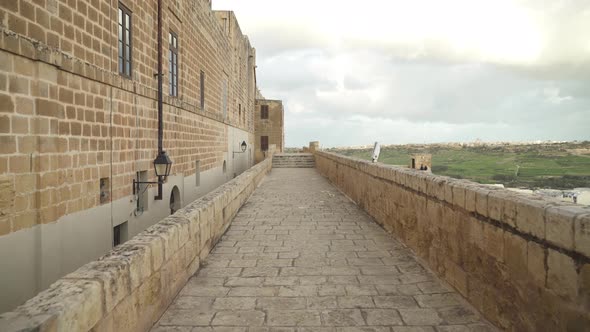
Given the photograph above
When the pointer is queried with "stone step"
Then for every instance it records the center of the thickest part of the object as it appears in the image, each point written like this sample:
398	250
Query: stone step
293	166
293	160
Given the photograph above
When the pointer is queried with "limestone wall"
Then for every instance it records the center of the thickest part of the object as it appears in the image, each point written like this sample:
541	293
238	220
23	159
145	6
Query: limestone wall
130	287
523	261
74	133
273	127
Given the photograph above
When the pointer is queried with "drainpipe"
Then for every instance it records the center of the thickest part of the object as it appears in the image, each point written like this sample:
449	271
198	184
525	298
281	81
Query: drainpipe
160	95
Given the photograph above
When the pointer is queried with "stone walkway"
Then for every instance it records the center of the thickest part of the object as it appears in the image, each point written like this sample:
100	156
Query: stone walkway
300	256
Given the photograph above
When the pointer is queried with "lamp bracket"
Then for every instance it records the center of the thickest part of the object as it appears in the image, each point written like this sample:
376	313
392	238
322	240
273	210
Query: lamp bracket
238	152
137	183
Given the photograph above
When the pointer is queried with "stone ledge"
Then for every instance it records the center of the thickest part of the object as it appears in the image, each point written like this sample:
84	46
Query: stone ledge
147	270
505	252
528	214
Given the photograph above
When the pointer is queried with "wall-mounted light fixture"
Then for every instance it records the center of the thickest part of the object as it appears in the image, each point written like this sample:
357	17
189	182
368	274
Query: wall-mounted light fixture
162	166
162	163
243	147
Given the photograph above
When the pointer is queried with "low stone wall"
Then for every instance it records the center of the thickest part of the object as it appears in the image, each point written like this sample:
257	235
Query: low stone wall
129	288
523	261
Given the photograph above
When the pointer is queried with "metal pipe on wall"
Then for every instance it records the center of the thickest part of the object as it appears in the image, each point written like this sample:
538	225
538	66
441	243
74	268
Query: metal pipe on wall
160	95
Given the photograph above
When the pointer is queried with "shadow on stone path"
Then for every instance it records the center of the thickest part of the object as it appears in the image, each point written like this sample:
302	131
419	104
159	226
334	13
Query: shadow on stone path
299	256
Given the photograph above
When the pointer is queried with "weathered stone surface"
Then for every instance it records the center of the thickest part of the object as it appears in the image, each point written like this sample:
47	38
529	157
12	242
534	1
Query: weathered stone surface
582	234
560	225
420	316
348	274
130	287
68	305
530	216
293	318
510	254
378	317
562	277
239	318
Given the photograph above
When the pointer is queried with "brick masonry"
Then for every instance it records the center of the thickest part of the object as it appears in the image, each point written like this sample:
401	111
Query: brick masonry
129	288
68	119
523	261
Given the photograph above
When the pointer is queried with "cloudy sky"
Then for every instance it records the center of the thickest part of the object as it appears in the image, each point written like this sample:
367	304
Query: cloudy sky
399	71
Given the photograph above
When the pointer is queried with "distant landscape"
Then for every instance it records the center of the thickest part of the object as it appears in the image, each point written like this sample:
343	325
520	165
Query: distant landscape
540	165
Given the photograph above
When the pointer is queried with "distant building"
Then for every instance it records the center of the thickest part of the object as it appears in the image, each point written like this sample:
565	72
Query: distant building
268	127
577	195
421	162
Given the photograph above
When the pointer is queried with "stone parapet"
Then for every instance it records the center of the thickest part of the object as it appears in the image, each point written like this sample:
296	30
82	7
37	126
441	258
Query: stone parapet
131	286
523	261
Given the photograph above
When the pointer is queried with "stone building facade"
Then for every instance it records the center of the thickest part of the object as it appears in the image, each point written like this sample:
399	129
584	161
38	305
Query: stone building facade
269	124
78	123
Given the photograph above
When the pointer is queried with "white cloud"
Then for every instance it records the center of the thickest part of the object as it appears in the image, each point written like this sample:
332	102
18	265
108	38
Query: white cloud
398	71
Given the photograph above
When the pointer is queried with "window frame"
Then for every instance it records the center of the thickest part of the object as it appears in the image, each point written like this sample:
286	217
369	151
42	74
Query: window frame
173	63
264	112
263	143
124	12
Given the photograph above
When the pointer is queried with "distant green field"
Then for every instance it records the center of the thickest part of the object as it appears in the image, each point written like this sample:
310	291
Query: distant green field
558	166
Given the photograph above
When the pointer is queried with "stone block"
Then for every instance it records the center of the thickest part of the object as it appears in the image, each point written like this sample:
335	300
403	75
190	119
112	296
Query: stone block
458	189
126	315
24	220
493	238
559	225
139	258
68	305
470	200
481	201
183	225
169	235
496	201
6	104
530	216
436	187
113	275
6	195
449	190
515	257
582	234
24	105
4	125
536	263
49	108
420	182
562	277
509	209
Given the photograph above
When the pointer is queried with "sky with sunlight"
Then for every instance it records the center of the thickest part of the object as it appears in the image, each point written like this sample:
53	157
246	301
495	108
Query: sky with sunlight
421	71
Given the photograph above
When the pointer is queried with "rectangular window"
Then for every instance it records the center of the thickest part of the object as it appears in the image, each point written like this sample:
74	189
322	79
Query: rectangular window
264	143
264	112
173	64
202	91
124	41
120	234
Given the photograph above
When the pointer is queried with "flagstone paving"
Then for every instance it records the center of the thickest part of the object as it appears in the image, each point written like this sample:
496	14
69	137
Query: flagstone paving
299	256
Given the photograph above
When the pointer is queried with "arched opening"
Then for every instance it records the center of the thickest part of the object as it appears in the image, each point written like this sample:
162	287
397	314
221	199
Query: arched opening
174	200
224	167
